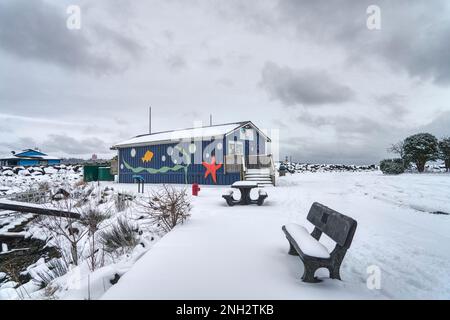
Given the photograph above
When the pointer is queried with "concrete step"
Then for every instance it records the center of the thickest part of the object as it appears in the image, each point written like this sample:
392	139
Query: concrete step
257	176
261	182
258	171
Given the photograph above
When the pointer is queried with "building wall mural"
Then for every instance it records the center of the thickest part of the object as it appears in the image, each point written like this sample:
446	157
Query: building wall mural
187	162
148	156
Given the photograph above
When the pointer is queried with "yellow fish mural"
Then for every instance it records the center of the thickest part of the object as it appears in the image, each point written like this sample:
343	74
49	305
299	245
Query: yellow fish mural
148	156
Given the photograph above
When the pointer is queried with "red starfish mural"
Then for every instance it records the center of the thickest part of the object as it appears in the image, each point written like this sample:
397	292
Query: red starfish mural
211	168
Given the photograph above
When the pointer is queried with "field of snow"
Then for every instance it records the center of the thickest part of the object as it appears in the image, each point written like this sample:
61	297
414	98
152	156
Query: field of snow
241	253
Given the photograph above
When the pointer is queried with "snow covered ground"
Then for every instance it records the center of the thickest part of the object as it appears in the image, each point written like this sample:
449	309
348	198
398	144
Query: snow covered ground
241	253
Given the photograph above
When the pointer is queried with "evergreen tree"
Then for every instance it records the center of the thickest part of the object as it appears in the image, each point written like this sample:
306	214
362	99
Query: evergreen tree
420	148
444	152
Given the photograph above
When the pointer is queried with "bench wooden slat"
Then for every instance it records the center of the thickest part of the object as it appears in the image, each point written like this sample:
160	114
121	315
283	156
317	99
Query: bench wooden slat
337	226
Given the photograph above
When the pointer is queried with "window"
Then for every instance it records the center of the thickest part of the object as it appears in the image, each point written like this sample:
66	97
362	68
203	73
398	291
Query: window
247	134
235	147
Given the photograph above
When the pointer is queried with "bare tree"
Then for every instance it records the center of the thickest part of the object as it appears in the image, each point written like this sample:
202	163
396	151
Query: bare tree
398	148
65	227
167	207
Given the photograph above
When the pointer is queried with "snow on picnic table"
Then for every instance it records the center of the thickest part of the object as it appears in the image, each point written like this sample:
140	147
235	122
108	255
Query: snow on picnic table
239	184
241	253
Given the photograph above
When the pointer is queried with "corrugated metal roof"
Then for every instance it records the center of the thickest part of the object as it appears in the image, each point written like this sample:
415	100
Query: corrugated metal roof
176	135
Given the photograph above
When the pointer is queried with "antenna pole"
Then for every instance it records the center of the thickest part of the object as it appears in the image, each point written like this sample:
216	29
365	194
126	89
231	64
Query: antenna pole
150	120
210	120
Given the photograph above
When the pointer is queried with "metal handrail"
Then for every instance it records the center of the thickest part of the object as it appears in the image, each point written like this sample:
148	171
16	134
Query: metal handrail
243	168
272	169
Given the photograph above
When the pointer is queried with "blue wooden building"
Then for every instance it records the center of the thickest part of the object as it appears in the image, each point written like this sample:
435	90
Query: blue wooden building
28	157
216	154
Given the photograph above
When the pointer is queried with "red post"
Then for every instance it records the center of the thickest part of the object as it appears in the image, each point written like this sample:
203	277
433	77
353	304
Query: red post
195	189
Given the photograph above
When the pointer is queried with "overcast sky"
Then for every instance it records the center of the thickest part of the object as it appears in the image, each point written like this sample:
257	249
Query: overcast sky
337	91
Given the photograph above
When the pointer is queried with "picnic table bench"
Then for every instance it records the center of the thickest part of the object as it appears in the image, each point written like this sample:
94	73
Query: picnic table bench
314	254
244	187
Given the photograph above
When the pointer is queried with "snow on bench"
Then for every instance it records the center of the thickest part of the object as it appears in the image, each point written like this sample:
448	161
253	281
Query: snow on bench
306	242
238	184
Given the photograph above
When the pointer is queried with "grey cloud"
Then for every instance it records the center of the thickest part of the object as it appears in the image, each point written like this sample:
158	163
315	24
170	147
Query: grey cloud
176	62
225	82
343	125
312	151
439	126
20	144
214	62
169	35
257	18
72	146
119	40
121	122
36	30
413	37
359	140
306	87
393	104
59	144
355	139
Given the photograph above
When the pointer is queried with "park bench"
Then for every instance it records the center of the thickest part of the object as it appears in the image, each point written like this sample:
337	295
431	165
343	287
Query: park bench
314	254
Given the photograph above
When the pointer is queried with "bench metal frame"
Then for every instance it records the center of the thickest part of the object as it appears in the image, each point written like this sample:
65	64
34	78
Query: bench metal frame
338	227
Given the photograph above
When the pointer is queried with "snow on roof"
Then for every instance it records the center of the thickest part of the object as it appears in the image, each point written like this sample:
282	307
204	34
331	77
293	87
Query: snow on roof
176	135
48	158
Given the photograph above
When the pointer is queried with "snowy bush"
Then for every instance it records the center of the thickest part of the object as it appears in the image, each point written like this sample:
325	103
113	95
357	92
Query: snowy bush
50	170
167	207
122	201
43	186
24	172
392	166
55	268
122	237
8	173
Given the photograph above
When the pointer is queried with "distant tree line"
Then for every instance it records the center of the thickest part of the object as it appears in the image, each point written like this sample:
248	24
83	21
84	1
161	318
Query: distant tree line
417	149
